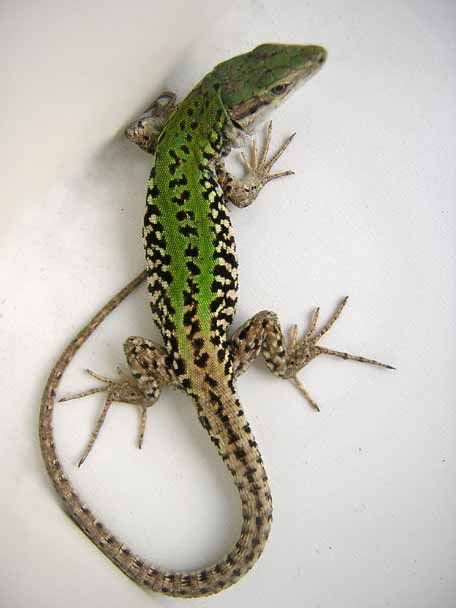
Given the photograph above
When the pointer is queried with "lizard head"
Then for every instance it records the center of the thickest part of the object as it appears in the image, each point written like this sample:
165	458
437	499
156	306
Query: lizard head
253	84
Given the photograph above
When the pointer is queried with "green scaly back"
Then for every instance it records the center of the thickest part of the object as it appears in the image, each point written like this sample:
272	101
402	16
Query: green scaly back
190	248
189	243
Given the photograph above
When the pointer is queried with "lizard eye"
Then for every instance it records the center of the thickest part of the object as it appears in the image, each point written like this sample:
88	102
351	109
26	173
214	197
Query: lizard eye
279	89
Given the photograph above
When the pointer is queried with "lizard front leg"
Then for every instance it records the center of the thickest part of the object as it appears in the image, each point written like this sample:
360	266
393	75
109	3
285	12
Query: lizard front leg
149	373
145	130
243	192
263	334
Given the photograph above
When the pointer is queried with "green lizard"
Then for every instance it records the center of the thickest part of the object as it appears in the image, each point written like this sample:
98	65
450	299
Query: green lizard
192	282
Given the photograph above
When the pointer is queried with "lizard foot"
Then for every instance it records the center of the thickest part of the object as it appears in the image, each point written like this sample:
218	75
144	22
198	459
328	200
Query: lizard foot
301	352
257	167
124	390
242	192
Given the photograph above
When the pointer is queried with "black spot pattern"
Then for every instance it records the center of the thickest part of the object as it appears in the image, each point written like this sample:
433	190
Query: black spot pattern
212	387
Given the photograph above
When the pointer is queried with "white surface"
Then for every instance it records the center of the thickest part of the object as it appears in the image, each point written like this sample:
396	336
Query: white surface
364	492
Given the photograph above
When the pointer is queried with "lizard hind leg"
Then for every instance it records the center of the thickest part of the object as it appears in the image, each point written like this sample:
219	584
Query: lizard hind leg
146	361
285	358
303	351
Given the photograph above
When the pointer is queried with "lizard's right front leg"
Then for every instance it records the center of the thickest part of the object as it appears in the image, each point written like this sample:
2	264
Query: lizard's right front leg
242	192
149	373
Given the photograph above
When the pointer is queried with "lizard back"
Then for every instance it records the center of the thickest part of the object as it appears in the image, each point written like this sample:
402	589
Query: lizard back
189	241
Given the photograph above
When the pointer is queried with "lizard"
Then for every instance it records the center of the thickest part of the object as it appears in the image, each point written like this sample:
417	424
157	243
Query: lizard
192	279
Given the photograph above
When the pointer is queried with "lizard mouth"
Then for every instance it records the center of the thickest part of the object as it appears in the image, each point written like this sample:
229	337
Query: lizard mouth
251	107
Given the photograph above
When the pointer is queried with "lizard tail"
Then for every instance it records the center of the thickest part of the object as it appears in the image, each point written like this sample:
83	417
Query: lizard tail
228	430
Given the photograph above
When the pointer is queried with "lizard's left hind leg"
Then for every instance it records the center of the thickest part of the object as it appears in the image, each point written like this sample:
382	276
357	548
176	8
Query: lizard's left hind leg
150	373
263	334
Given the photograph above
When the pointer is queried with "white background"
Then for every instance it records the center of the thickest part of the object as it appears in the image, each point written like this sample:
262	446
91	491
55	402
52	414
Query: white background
364	492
